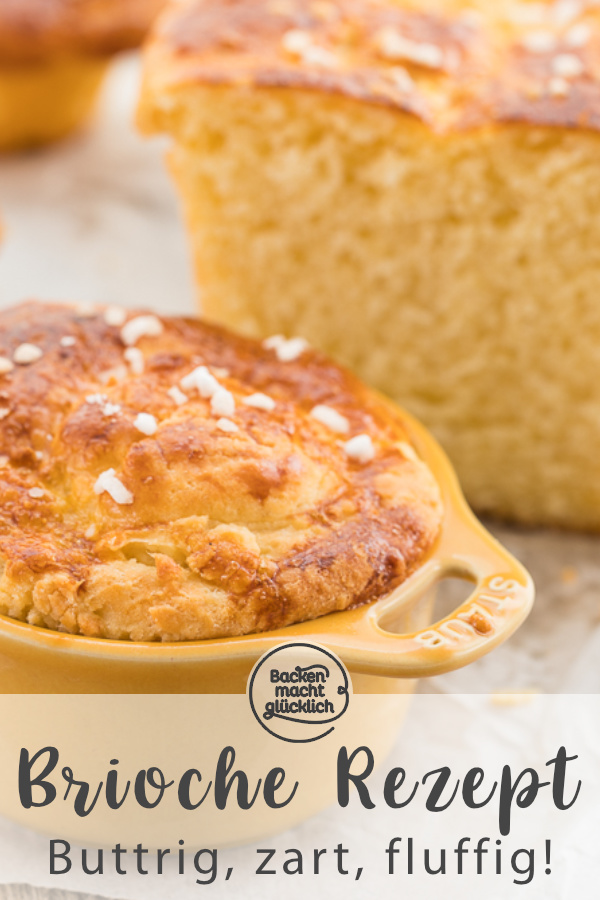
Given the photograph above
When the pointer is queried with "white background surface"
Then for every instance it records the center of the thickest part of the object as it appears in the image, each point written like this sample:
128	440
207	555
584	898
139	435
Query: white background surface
96	219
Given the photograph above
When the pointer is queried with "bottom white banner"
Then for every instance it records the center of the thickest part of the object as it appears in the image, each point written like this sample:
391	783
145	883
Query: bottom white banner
133	796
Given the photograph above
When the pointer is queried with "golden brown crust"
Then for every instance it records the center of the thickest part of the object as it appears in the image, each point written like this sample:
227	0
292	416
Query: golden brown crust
452	64
33	30
210	532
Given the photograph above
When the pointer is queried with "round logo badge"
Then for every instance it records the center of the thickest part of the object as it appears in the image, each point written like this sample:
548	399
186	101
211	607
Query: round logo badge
298	691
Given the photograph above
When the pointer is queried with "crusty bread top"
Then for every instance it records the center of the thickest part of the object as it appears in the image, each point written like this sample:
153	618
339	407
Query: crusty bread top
212	514
38	29
454	65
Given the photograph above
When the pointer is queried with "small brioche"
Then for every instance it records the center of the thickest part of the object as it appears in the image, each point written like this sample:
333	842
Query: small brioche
162	479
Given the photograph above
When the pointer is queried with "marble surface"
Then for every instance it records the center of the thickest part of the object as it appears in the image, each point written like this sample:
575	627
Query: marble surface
96	219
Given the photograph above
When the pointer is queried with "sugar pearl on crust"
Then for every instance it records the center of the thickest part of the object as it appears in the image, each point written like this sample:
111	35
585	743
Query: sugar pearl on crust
300	44
567	65
286	350
578	35
558	87
135	358
108	408
139	327
291	350
360	448
331	418
227	425
319	56
394	46
146	423
115	315
260	401
222	403
35	493
67	341
5	365
296	41
177	396
565	11
540	42
201	380
26	354
108	483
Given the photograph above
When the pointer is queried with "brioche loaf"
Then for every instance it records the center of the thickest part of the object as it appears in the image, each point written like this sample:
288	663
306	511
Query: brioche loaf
53	56
415	188
161	479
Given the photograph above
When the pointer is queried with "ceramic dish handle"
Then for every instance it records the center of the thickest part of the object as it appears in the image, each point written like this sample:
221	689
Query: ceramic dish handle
501	599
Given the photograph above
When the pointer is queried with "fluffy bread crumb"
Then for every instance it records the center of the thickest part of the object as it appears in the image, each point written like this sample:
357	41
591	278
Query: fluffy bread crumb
435	230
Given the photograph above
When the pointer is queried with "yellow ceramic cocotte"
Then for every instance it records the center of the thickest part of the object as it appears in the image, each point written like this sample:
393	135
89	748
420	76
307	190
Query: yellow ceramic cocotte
385	646
388	639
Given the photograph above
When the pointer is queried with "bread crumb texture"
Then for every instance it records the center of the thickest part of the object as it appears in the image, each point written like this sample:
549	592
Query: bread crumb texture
418	199
128	511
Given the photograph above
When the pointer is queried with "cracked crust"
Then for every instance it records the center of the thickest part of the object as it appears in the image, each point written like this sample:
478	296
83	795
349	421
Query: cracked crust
226	533
452	64
35	30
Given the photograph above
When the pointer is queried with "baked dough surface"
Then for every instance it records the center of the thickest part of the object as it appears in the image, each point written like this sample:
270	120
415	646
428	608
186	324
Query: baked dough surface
185	523
35	30
452	64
